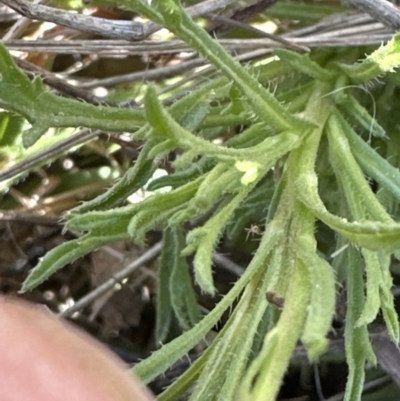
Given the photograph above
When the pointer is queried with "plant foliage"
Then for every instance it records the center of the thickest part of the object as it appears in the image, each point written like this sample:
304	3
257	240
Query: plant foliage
316	136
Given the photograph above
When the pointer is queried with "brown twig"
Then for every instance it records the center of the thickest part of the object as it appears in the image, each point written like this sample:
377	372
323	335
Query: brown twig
59	84
150	254
129	30
240	14
259	32
126	30
80	137
381	10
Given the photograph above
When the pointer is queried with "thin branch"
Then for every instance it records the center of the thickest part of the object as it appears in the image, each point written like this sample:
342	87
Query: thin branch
127	30
237	24
381	10
146	75
20	26
228	264
7	15
240	14
344	37
29	218
59	84
371	385
55	150
150	254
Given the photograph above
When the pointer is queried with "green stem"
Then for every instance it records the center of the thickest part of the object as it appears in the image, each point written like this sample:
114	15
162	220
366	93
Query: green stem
270	366
263	103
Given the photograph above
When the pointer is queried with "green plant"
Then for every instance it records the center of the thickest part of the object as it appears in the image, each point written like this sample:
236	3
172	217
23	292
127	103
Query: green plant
304	132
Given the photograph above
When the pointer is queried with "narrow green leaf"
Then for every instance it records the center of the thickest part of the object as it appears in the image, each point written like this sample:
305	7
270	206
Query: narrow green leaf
261	100
371	162
304	64
163	123
64	254
183	297
162	149
374	280
221	180
204	239
214	373
32	135
237	106
160	360
355	110
186	379
192	120
387	298
10	128
30	99
151	219
163	304
384	59
373	235
11	73
156	210
264	376
166	127
250	137
97	220
357	343
244	338
134	178
350	174
322	302
182	177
